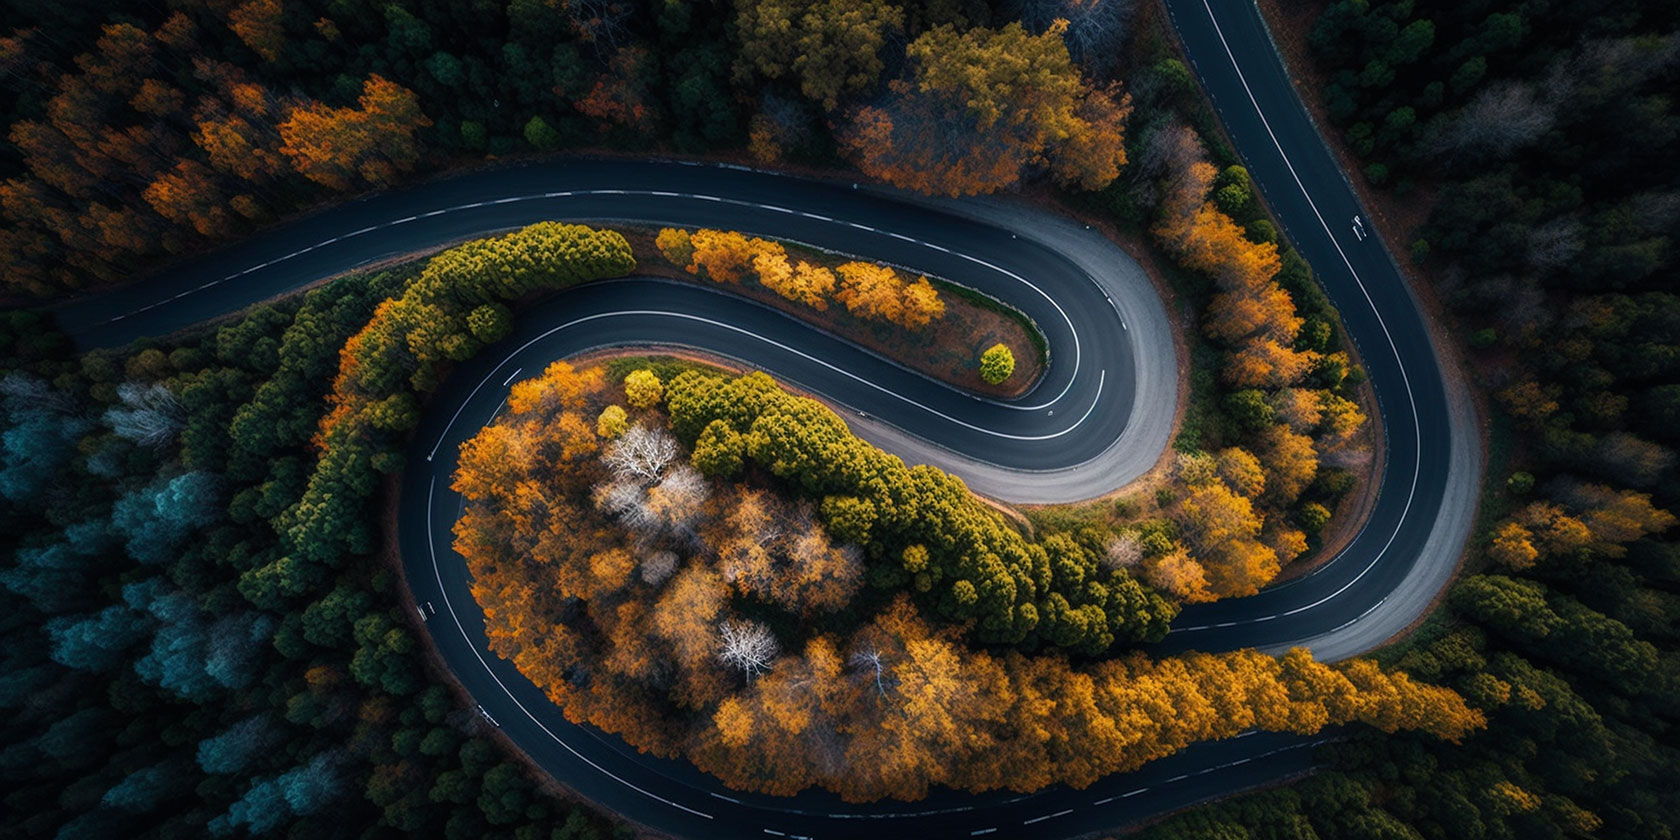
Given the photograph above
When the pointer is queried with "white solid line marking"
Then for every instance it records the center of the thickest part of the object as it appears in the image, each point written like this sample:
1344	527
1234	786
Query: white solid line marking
511	376
1096	399
1405	377
979	831
438	575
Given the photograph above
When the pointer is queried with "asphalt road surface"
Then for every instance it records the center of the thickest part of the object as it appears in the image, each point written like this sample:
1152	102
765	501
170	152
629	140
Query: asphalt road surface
1100	417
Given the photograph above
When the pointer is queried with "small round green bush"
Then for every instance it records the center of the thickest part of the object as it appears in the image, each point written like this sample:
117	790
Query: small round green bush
997	364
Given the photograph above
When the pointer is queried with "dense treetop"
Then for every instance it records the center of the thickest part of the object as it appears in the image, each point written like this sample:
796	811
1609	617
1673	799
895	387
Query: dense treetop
709	618
1539	137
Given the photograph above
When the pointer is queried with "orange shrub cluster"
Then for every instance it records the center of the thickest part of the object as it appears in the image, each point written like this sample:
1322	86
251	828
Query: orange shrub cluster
1230	515
1598	522
1251	312
656	604
874	292
148	145
984	106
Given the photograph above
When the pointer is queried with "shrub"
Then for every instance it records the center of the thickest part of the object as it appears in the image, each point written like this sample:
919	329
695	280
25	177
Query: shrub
643	389
1314	517
612	423
997	364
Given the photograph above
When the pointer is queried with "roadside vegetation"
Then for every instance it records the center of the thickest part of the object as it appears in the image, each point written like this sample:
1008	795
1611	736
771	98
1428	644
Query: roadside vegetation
1275	441
643	561
203	634
1533	148
935	327
193	648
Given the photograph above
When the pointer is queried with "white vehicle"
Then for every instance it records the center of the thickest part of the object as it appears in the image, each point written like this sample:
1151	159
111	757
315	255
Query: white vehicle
1359	228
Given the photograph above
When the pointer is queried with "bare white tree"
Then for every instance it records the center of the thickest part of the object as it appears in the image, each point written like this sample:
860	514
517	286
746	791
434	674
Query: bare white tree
1170	149
1122	552
1656	211
658	567
616	497
24	389
603	24
1502	117
747	645
1636	461
1554	244
872	666
1608	68
680	496
150	414
641	453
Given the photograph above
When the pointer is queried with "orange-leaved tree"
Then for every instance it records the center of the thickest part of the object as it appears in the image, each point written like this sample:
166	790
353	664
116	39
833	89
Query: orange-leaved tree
981	107
648	624
346	148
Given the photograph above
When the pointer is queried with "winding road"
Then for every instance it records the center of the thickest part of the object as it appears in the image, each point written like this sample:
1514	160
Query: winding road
1101	416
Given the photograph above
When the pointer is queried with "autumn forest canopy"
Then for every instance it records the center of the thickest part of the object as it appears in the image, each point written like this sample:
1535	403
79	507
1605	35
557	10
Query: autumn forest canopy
207	627
640	556
151	134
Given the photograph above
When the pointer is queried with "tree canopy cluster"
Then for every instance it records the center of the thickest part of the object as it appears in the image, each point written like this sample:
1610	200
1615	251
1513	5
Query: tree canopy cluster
1553	234
919	526
868	290
144	694
142	134
721	621
449	311
982	107
1538	134
1288	393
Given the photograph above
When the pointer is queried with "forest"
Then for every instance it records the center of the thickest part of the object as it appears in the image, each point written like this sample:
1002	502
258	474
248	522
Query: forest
201	628
1537	138
141	134
193	541
189	649
698	594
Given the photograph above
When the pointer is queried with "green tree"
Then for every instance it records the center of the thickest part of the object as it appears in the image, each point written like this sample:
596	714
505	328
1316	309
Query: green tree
832	47
718	451
490	323
997	364
643	389
541	135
